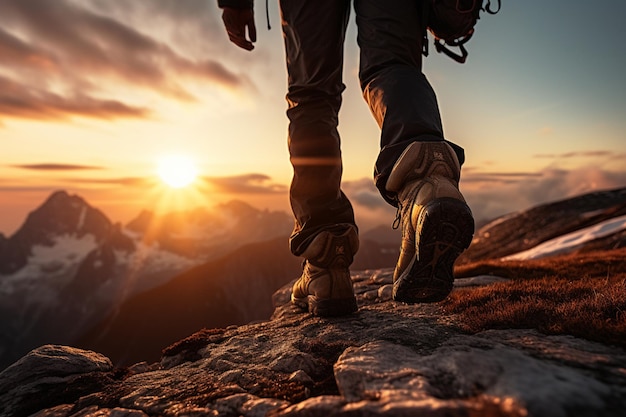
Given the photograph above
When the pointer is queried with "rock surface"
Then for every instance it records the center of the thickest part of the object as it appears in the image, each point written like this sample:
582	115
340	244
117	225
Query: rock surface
50	374
389	359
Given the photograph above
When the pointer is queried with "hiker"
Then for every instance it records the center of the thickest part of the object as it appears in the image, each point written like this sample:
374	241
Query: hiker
417	170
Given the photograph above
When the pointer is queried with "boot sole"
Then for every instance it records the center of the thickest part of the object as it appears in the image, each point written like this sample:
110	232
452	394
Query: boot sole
326	307
445	229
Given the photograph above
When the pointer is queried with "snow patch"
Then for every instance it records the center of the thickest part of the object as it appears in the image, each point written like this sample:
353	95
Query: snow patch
148	266
49	265
81	218
571	240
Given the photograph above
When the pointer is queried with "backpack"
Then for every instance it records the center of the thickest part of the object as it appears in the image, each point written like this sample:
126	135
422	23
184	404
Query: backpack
451	22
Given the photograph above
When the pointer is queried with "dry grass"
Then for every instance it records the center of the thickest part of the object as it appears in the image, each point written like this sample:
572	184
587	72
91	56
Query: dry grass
584	296
189	346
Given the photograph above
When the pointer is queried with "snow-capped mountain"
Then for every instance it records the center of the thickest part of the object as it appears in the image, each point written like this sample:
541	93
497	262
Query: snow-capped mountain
61	215
68	266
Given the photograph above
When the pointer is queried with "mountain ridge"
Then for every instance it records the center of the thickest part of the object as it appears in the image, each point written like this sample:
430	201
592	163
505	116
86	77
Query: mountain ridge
88	295
80	268
520	231
68	265
60	214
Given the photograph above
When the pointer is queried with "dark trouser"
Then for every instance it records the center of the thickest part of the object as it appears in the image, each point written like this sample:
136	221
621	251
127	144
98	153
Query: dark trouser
399	96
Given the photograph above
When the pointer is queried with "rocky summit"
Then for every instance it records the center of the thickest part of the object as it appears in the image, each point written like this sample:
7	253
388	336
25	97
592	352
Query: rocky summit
389	359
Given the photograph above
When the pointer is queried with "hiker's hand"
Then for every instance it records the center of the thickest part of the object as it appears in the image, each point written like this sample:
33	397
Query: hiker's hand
236	22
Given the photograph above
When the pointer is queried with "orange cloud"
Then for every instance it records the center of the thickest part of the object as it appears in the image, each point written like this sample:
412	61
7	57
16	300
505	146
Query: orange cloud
58	57
56	167
579	154
239	184
246	184
18	53
20	100
125	181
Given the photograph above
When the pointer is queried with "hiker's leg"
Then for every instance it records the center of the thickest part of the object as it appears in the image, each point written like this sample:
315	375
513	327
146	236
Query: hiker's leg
417	170
314	34
399	95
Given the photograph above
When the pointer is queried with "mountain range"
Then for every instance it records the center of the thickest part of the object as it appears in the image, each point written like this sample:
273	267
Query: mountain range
68	265
69	275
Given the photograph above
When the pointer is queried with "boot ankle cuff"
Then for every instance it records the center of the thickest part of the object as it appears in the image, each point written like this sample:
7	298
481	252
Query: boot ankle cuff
418	160
328	248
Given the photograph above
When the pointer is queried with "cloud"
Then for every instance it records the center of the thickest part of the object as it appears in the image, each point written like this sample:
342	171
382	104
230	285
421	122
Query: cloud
470	177
88	183
46	189
364	193
493	195
123	181
246	184
18	53
56	167
239	184
61	59
580	154
23	101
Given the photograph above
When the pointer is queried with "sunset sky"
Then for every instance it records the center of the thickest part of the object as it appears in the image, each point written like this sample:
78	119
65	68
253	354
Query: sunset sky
93	93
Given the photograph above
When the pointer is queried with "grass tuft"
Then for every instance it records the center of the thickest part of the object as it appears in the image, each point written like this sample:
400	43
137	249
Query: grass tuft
583	296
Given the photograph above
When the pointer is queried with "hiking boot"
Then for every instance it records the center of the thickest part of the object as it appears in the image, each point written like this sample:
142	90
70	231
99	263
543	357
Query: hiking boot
325	287
437	224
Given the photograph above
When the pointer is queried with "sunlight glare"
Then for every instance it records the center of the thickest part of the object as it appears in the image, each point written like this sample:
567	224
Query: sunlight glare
177	171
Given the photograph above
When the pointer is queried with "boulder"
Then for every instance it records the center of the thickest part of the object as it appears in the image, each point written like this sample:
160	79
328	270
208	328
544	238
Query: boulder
50	375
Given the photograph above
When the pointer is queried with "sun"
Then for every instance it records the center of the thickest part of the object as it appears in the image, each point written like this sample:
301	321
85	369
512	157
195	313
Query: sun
177	171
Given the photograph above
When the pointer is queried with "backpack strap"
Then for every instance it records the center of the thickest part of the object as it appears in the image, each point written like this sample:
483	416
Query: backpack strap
442	46
489	10
425	15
